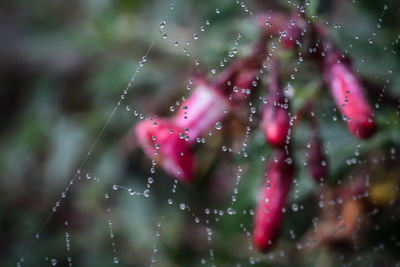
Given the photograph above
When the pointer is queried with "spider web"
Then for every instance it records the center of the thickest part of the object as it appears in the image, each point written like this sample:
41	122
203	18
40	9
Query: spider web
151	219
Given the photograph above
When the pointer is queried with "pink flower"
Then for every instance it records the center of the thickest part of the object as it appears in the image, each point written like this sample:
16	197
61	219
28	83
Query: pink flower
276	120
161	140
269	214
171	140
205	107
347	91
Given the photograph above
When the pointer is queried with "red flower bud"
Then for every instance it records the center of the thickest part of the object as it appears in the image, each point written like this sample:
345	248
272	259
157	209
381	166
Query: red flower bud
269	214
276	124
348	94
240	79
276	120
293	33
171	140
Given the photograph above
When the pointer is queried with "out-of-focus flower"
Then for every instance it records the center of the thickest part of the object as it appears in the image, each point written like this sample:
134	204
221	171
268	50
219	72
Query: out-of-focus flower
241	78
294	31
162	140
288	29
205	107
171	140
276	120
347	91
269	213
272	23
317	161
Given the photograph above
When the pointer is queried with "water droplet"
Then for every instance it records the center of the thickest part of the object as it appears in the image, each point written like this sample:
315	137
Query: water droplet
295	207
162	24
146	193
230	211
131	191
218	125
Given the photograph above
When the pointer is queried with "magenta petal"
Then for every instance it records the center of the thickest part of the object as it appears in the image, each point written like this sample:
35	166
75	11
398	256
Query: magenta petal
173	152
204	108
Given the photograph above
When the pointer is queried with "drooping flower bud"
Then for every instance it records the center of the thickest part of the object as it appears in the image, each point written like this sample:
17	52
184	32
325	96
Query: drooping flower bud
317	161
276	120
269	212
162	140
171	140
204	108
272	23
240	79
293	33
288	29
347	91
